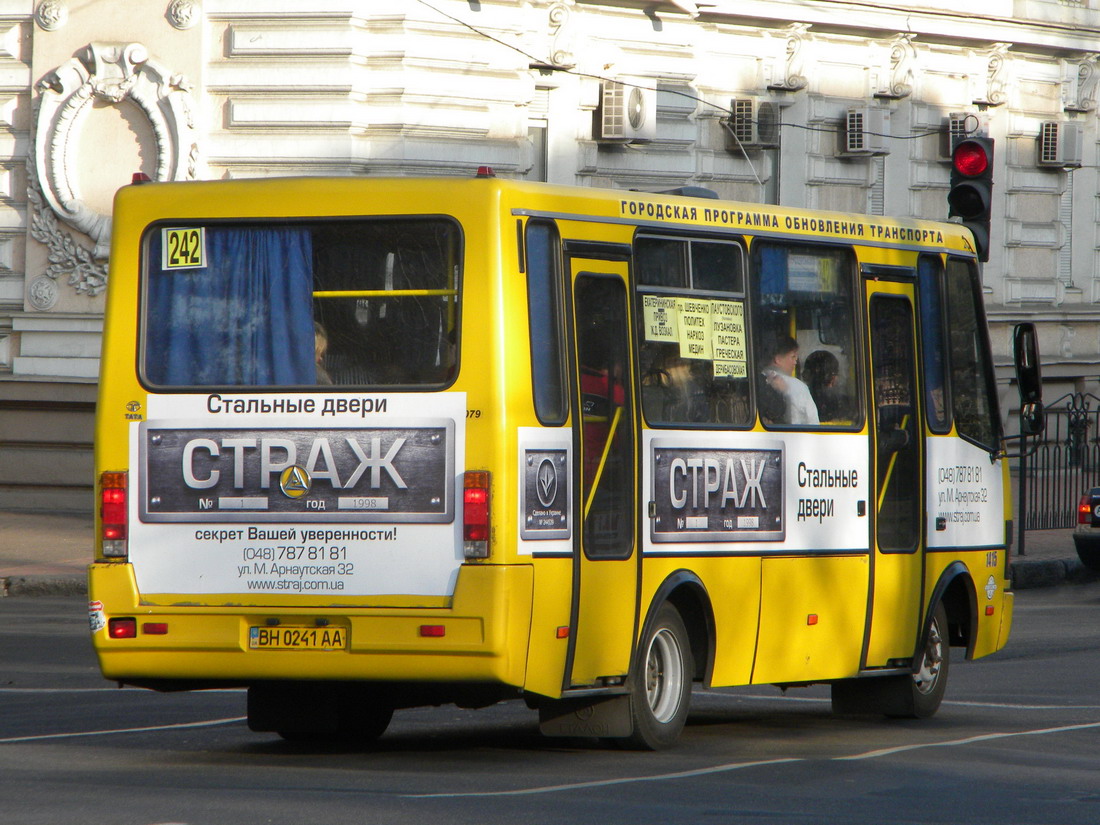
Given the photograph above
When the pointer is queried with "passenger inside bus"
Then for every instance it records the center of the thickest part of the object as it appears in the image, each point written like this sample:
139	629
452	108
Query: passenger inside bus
320	352
672	389
821	372
798	406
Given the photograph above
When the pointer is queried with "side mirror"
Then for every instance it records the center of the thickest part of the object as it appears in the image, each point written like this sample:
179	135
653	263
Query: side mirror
1029	379
1025	354
1032	418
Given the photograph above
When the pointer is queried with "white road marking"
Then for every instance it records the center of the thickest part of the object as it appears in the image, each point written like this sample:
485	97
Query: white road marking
107	690
969	740
734	766
602	783
181	726
946	702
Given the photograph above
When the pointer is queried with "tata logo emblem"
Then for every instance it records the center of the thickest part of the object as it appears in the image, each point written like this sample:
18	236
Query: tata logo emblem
133	406
546	483
295	481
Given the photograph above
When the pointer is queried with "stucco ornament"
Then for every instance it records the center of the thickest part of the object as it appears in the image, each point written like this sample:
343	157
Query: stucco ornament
562	31
1079	95
903	58
794	69
107	74
183	14
51	15
42	294
996	76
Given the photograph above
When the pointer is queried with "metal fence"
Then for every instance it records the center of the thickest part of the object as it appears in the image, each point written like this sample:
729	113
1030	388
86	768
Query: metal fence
1063	464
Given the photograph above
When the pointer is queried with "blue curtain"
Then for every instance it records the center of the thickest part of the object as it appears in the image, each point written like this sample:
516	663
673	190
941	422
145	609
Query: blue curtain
246	319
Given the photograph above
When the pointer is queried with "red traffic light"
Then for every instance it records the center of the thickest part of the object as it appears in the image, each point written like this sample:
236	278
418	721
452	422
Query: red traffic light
970	158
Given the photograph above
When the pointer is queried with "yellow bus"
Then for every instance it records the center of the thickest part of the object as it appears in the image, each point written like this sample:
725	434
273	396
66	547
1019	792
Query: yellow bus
368	444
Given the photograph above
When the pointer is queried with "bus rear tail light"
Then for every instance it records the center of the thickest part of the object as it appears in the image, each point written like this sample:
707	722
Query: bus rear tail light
113	514
122	628
1084	510
475	515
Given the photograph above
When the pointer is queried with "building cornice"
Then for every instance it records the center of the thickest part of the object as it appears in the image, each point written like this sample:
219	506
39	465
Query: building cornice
959	28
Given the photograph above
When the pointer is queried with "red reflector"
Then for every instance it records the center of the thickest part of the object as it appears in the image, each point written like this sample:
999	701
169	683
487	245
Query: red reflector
435	630
811	619
486	172
124	628
970	159
140	177
563	632
155	628
989	610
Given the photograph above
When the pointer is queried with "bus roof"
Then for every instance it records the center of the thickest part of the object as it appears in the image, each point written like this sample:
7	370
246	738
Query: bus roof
316	197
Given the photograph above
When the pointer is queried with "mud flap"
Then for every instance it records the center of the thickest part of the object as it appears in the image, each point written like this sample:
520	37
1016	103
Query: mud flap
605	717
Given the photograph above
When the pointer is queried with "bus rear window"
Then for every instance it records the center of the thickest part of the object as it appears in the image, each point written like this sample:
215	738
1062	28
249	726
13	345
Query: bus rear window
341	302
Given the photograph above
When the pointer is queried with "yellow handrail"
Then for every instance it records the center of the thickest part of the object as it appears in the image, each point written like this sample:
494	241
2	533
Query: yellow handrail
603	459
890	467
382	293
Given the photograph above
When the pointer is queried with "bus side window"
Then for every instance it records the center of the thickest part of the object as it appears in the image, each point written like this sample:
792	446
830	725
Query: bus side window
933	355
544	315
693	358
803	332
973	391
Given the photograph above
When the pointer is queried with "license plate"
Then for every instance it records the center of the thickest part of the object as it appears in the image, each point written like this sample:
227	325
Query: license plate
297	638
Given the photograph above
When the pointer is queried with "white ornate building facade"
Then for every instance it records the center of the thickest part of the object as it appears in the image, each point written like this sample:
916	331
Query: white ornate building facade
95	90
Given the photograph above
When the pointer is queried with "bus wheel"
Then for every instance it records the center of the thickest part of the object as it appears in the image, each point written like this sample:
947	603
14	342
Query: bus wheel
661	686
929	682
915	696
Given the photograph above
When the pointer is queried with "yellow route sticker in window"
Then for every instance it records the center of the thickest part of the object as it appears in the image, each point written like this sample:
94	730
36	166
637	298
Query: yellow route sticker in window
695	327
183	248
659	318
728	344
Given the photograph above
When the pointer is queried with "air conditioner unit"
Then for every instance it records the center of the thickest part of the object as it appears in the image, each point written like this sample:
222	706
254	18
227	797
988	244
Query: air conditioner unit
961	125
752	124
627	113
863	132
1060	144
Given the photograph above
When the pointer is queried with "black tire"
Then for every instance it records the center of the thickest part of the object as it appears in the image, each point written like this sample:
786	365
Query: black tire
1088	551
916	696
660	687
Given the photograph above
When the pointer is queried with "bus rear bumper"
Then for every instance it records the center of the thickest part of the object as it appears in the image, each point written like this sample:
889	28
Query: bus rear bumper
480	636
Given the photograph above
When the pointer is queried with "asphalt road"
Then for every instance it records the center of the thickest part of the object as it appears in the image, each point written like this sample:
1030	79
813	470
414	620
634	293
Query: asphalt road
1017	741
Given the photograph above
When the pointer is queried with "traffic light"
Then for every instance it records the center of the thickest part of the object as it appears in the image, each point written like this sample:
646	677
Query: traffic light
971	193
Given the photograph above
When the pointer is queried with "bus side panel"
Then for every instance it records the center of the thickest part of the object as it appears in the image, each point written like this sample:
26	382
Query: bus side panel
812	620
967	507
546	652
732	586
994	602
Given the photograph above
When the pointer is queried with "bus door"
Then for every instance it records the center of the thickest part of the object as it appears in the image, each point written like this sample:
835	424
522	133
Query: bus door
605	570
898	562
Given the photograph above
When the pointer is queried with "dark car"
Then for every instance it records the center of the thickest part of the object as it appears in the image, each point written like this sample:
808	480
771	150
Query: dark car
1086	536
